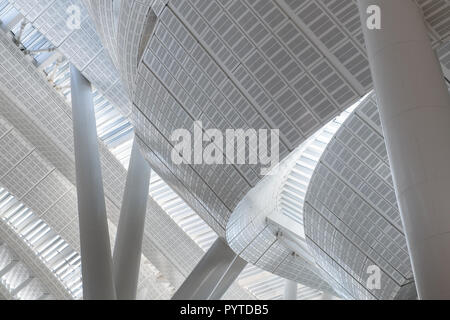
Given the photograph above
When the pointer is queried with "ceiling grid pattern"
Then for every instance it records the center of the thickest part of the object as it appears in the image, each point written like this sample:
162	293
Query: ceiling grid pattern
351	215
17	115
247	73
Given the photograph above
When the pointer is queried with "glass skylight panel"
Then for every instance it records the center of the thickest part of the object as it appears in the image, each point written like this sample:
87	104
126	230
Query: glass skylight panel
47	245
8	12
16	278
3	5
37	234
35	223
33	40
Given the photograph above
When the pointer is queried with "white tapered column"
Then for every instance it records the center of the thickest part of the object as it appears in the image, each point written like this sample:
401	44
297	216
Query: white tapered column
213	275
128	247
290	290
414	107
96	261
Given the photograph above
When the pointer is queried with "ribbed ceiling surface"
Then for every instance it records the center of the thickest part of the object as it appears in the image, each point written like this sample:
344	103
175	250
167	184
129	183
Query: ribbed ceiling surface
286	64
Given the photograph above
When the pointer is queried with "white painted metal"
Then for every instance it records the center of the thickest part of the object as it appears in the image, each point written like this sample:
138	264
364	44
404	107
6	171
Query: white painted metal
130	231
94	236
290	290
213	275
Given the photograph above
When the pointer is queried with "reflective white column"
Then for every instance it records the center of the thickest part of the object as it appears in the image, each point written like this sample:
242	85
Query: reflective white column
414	107
213	275
290	290
130	231
96	261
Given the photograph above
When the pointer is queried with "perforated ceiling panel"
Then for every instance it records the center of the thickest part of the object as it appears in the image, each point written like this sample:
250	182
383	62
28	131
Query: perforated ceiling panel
351	216
81	45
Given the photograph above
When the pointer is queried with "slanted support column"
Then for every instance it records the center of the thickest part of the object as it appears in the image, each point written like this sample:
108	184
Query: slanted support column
290	290
96	261
213	275
414	107
128	247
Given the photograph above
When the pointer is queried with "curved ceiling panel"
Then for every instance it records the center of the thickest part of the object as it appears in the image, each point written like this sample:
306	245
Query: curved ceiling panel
283	64
292	65
260	64
270	217
351	218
